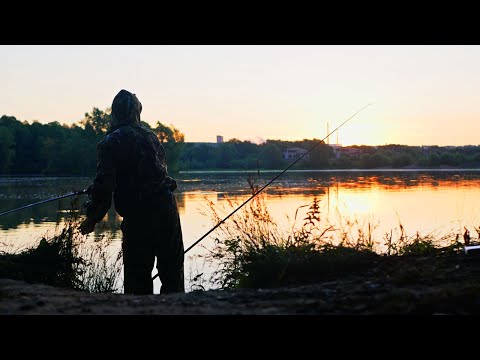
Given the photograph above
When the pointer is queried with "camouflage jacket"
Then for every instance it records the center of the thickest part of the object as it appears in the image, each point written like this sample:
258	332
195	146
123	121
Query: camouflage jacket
130	163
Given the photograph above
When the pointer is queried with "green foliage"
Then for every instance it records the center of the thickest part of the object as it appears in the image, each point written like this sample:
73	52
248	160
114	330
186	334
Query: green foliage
66	260
375	160
97	121
401	160
55	149
173	141
257	252
224	156
52	262
7	149
319	157
46	148
270	156
146	125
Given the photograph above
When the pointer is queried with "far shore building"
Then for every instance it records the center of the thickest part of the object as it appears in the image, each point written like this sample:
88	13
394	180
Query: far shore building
213	144
351	151
337	149
293	153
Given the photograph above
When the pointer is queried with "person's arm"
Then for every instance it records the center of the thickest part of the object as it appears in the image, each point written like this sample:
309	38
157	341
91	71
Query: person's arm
100	192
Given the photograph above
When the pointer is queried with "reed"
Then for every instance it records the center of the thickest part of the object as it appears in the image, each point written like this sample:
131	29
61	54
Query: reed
66	259
253	250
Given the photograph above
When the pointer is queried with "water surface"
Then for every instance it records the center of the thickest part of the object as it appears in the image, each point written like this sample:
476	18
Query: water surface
426	201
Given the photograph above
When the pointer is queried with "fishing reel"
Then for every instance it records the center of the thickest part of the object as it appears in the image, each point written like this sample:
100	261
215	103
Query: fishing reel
89	192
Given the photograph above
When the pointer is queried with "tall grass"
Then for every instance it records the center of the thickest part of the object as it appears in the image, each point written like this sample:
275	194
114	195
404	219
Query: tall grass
253	250
67	259
100	270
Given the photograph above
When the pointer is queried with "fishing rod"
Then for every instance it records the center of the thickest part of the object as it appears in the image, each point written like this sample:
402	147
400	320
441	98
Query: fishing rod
226	218
271	181
44	201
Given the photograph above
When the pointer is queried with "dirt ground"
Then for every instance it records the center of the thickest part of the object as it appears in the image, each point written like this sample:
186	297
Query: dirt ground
416	285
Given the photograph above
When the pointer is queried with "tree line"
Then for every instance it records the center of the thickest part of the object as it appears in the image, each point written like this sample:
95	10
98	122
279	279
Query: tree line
56	149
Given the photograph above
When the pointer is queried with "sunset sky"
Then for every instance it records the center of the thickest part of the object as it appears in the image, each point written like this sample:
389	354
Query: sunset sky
421	95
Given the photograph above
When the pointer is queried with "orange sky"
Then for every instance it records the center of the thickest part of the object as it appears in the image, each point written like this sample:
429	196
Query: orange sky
422	95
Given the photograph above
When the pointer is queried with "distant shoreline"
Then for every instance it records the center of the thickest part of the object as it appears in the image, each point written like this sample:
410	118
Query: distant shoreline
186	172
328	170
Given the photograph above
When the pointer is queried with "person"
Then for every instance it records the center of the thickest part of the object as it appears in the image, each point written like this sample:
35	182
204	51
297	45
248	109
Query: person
131	163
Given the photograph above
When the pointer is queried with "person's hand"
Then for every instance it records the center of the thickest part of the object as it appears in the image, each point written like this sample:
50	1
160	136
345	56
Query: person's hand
86	227
89	190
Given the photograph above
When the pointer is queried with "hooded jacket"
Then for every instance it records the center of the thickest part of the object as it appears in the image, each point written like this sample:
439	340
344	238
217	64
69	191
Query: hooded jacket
131	163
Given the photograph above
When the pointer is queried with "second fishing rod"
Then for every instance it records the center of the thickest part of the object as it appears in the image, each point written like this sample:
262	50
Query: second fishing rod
270	182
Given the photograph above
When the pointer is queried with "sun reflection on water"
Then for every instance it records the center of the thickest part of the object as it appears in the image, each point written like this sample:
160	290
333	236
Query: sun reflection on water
425	201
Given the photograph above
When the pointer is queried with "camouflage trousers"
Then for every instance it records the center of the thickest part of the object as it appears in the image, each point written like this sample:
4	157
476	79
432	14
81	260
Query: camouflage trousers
151	234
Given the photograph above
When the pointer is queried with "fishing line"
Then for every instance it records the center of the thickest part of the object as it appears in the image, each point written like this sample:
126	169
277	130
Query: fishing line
44	201
271	181
226	218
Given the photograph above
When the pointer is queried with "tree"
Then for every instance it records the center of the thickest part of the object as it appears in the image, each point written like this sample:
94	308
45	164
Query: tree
172	140
271	156
371	161
98	121
7	149
401	160
244	148
146	125
434	159
225	154
319	156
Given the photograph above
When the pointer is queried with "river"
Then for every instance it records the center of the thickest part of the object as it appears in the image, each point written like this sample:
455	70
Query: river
433	202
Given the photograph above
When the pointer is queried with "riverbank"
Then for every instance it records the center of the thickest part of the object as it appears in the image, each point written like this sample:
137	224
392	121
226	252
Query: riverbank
89	177
410	168
426	285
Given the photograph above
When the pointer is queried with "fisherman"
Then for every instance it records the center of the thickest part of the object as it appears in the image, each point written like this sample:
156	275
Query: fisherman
131	163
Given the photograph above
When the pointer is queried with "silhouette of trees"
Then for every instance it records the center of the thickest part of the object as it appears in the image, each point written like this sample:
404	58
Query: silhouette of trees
270	156
97	121
172	140
56	149
7	149
60	149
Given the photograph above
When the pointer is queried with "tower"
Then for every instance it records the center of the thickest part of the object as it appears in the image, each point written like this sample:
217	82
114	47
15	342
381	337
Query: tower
328	132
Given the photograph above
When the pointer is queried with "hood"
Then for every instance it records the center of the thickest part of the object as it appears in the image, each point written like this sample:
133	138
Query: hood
126	109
